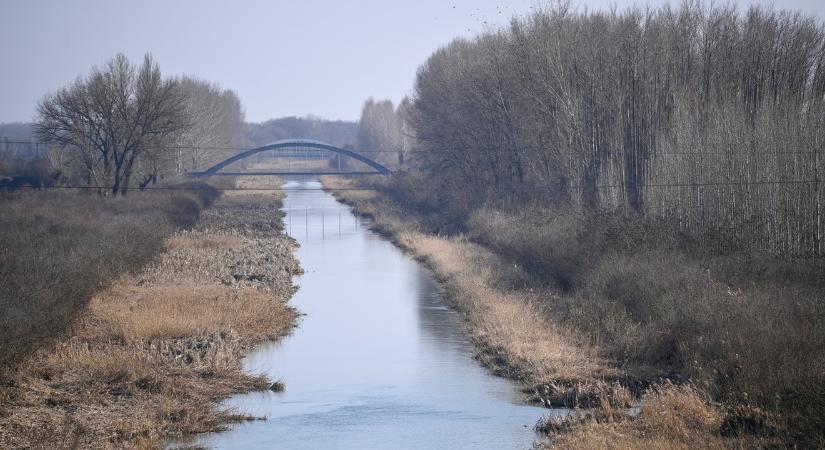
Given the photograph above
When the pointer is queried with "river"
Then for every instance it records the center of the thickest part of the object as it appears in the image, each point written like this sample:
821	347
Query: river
378	361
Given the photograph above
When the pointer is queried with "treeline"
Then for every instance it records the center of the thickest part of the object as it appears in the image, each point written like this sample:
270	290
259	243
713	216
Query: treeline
214	128
383	131
125	126
335	132
700	116
16	141
22	160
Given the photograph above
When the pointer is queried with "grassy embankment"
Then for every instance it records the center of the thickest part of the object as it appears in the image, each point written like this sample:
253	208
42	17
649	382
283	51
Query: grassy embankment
719	350
125	319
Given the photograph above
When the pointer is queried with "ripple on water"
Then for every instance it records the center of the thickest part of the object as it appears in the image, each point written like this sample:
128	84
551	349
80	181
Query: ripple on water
378	360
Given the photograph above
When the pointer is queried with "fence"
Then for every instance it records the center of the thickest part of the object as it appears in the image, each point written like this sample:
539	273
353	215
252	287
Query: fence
770	202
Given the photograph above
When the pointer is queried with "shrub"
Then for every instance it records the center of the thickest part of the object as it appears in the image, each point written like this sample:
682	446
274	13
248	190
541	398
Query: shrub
58	248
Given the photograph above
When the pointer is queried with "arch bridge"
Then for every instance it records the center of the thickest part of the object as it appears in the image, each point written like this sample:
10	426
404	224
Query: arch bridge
286	146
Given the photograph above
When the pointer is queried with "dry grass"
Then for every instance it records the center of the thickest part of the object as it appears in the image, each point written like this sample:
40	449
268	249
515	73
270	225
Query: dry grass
203	242
291	164
151	353
58	248
512	331
98	394
573	304
742	327
132	312
670	417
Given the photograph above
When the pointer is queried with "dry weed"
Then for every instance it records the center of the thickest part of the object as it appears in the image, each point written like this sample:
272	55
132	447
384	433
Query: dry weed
669	417
573	303
151	353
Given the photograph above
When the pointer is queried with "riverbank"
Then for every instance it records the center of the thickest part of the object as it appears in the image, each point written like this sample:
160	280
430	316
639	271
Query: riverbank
150	354
506	324
554	341
391	353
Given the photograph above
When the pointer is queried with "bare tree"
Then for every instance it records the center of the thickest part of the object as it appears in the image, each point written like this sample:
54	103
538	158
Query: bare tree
406	134
110	118
700	115
379	130
215	125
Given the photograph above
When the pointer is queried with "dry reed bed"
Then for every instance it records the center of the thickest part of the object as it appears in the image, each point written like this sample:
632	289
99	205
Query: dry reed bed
58	248
150	355
516	336
510	329
673	417
512	332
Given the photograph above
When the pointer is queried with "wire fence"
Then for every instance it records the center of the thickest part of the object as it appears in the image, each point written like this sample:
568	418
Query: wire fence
190	188
773	204
5	145
772	201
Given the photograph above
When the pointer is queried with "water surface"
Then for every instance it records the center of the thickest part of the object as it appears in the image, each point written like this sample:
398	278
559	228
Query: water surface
378	361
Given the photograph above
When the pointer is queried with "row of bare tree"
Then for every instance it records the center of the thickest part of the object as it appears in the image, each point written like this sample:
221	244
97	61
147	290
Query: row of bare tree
124	126
704	116
336	132
383	131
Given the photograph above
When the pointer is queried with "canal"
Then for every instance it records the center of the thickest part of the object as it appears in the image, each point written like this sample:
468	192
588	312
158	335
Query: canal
378	360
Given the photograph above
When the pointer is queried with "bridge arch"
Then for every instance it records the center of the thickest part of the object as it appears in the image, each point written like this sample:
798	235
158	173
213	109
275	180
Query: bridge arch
296	143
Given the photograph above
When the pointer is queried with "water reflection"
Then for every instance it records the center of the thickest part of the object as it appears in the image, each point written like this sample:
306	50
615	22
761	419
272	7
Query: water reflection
378	361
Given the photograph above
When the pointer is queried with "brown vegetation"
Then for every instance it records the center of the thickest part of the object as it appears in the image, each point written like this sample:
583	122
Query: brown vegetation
58	248
150	354
743	327
572	304
507	322
295	164
633	197
673	417
707	117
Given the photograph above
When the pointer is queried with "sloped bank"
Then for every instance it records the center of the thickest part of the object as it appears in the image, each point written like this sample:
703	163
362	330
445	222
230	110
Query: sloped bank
513	335
516	336
152	354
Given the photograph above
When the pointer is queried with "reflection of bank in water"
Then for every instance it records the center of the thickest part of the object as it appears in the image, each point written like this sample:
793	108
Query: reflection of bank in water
378	361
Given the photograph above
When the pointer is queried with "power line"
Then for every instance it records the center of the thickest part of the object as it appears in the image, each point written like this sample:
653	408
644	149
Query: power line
194	188
195	147
412	152
282	189
704	184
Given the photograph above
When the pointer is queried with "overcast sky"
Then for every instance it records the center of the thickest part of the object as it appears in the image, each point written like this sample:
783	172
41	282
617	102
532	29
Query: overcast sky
283	58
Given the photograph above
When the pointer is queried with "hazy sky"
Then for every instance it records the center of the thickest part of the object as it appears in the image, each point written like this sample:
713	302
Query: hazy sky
283	58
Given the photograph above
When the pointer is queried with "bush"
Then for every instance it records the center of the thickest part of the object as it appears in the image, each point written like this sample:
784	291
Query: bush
745	327
16	173
59	248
